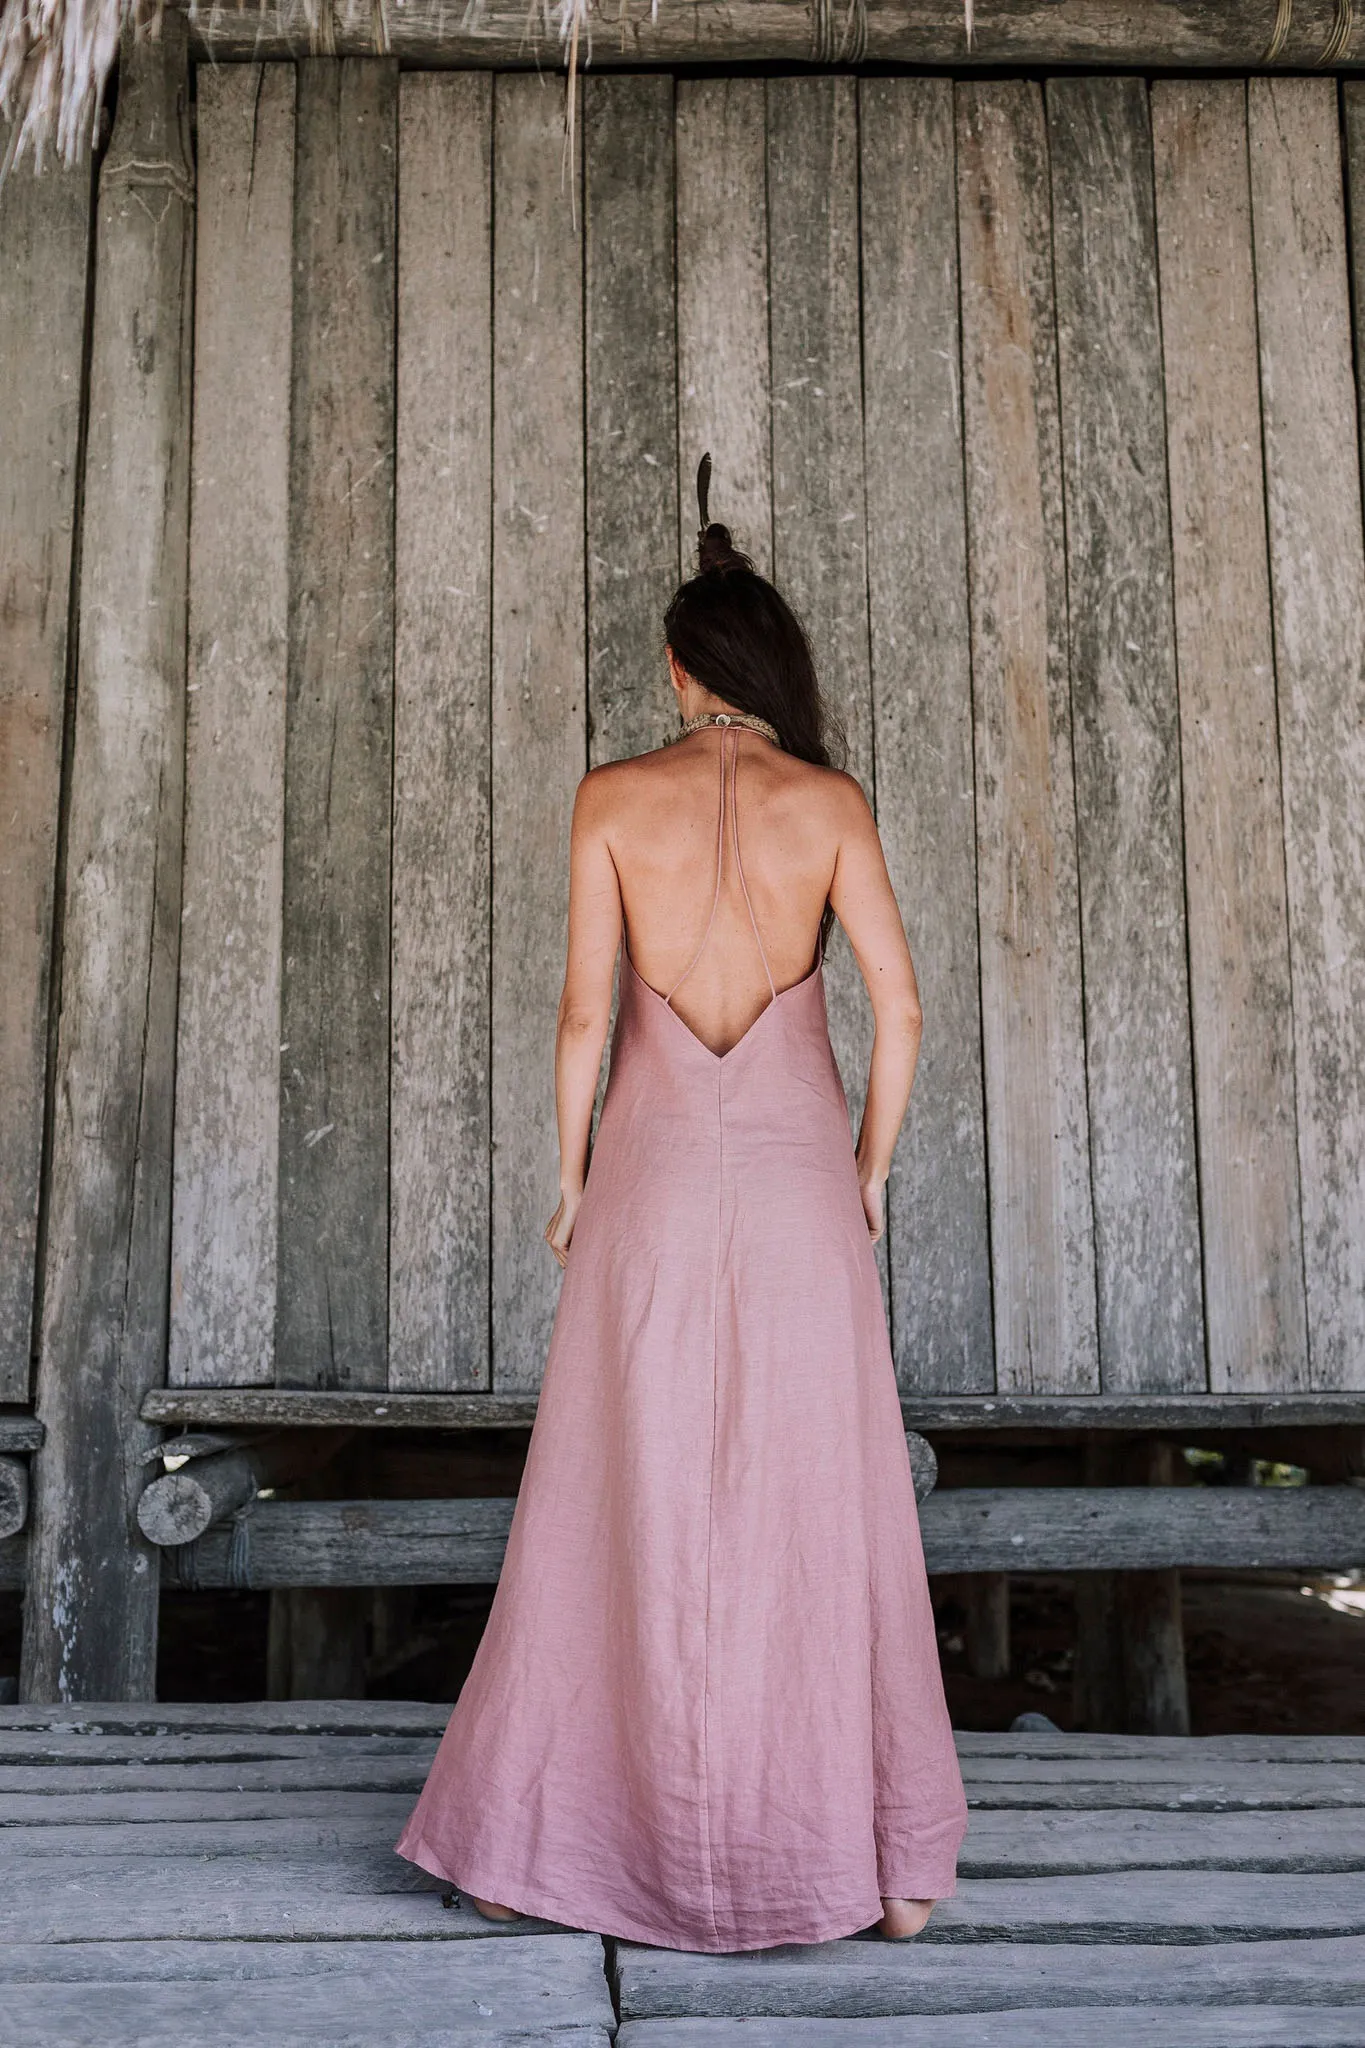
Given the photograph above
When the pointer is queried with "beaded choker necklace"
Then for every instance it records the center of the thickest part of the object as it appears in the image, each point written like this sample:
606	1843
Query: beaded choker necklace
691	725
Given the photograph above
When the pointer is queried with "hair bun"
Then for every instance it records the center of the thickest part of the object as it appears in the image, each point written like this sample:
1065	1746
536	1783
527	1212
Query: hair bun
716	550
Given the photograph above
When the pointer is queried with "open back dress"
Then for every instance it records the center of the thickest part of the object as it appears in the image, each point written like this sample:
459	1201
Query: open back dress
706	1711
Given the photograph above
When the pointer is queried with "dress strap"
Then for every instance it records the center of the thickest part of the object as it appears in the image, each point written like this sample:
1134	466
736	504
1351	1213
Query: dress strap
725	734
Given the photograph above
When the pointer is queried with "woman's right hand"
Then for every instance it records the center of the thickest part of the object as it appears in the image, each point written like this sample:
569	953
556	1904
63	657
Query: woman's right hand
559	1229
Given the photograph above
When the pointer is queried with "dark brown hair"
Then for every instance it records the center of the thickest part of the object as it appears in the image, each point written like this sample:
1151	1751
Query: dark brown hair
737	636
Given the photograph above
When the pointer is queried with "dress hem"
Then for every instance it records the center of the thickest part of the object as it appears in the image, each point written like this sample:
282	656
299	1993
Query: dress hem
541	1906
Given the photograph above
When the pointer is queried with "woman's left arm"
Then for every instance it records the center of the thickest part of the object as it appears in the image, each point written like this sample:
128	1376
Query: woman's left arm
585	1005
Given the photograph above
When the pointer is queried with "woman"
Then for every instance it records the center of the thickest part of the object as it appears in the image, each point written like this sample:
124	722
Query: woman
706	1711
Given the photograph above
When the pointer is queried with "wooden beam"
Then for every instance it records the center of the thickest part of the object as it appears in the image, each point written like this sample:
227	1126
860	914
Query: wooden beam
227	1070
290	1408
1042	1235
90	1621
45	226
968	1529
539	721
938	1237
20	1433
13	1495
1160	34
1234	829
1126	739
439	1156
331	1323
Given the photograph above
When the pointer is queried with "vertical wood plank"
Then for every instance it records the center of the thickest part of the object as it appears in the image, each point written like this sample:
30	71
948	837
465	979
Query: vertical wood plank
723	378
939	1243
1041	1226
1308	405
819	514
632	409
224	1219
1234	858
331	1326
45	228
439	1158
91	1602
539	689
1140	1083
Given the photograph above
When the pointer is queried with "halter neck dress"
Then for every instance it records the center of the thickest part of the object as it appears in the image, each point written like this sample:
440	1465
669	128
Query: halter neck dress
706	1711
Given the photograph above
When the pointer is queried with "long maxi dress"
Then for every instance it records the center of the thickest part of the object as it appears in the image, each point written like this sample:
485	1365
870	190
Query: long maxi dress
707	1711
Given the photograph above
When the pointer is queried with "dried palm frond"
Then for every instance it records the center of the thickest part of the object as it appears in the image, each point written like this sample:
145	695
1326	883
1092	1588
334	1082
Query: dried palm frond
55	57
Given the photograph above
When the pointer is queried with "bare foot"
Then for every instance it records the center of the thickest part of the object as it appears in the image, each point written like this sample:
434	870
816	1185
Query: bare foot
904	1917
491	1911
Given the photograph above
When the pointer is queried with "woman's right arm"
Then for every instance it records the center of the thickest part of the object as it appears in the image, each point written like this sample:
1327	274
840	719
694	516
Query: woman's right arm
865	904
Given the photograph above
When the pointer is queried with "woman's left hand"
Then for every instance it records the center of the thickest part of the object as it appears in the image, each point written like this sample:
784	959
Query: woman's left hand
559	1229
873	1193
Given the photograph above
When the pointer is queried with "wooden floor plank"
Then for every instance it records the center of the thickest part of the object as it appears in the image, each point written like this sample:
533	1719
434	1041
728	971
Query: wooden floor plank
284	1717
851	1979
355	1893
998	1844
1231	2027
549	1989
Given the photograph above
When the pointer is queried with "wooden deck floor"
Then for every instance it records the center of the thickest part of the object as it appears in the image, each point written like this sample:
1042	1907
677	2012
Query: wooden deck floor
214	1875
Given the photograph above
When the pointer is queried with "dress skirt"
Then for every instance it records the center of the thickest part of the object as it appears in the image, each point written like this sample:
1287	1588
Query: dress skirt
707	1711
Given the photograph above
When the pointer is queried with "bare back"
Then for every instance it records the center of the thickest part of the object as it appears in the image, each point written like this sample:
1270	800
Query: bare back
717	936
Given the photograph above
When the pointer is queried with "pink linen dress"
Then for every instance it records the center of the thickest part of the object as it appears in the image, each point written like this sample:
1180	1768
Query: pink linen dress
706	1711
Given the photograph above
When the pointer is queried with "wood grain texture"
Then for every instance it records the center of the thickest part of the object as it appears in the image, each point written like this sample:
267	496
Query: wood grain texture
1037	1145
856	1979
1317	569
1221	34
723	358
631	366
45	226
1229	2027
938	1236
1234	857
965	1529
90	1624
1139	1078
819	513
331	1326
224	1221
539	690
255	1407
439	1187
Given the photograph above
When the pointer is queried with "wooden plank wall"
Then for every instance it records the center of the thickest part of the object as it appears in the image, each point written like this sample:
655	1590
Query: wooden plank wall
1039	400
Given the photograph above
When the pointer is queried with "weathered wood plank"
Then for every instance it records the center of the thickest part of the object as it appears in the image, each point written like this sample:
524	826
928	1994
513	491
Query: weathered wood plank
1234	860
723	357
549	1988
1238	2026
90	1623
819	511
631	368
331	1326
998	1844
259	1717
938	1242
31	1812
357	1893
539	691
1308	409
1197	33
439	1211
224	1218
851	1979
249	1407
1139	1081
58	1747
13	1495
45	228
20	1433
965	1529
1041	1225
390	1774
